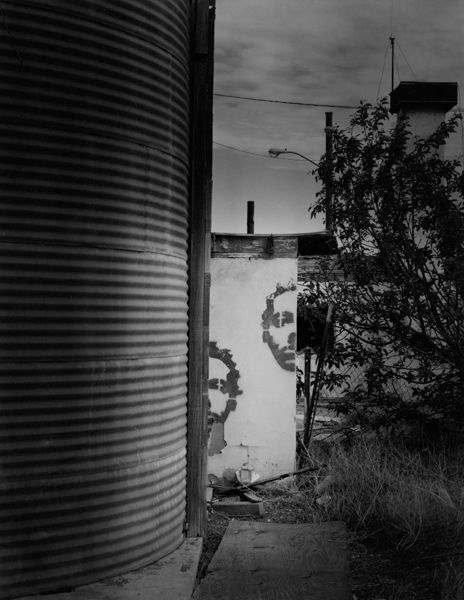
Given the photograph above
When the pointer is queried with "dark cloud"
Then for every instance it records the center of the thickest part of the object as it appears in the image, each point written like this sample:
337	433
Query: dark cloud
230	54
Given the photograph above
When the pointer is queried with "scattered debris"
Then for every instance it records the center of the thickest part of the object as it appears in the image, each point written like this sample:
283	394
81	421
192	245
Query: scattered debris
236	498
283	476
324	500
251	497
246	476
323	485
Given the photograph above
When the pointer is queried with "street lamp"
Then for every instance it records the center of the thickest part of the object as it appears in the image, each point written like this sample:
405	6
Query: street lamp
275	152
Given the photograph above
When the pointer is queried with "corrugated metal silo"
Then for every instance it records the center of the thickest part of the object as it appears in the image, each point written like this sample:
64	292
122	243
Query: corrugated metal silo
93	250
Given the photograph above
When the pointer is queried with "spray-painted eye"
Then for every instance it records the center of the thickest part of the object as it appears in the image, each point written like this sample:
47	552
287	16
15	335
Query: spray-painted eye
213	384
275	320
287	317
223	386
281	319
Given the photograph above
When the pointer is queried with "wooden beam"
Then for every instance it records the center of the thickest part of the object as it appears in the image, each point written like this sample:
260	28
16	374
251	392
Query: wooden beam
264	246
203	13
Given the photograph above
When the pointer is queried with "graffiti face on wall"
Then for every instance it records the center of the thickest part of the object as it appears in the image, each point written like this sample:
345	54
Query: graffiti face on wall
222	393
279	325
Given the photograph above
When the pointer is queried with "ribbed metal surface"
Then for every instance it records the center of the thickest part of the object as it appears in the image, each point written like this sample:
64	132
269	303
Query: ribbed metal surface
94	126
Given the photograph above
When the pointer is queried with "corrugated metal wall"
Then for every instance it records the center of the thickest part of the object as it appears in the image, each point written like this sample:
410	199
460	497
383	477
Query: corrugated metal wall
94	119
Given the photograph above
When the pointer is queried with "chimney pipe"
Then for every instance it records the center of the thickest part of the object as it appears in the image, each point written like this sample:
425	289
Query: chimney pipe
250	216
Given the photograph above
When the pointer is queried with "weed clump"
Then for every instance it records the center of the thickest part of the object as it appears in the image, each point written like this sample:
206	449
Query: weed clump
408	496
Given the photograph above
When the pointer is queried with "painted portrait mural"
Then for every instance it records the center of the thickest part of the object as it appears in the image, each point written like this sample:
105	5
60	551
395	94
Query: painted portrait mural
223	391
278	322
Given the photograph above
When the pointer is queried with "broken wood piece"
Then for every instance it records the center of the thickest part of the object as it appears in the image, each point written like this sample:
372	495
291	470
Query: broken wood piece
255	509
277	478
233	498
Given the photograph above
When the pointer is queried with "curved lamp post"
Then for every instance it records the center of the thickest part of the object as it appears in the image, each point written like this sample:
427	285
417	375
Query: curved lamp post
275	152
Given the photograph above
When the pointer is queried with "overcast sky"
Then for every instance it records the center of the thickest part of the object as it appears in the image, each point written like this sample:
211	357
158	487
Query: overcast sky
310	51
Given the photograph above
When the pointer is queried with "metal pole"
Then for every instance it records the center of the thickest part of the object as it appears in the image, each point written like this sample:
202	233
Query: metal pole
329	159
309	423
392	42
250	216
307	381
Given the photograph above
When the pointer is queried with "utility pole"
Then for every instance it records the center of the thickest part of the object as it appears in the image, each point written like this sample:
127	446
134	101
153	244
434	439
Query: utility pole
328	182
392	42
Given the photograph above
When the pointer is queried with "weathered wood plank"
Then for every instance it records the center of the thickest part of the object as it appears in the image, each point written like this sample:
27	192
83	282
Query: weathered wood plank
264	246
240	508
276	561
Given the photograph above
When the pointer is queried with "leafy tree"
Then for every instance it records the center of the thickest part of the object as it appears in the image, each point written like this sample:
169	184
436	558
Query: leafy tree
398	214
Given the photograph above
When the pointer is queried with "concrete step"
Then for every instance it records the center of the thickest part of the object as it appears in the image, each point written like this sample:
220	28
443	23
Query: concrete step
171	578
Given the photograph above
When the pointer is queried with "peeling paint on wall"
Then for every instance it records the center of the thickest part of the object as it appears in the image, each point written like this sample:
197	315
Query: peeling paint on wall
278	325
223	391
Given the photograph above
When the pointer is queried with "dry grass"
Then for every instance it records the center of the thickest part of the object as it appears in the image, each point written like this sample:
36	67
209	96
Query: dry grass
406	510
407	495
452	580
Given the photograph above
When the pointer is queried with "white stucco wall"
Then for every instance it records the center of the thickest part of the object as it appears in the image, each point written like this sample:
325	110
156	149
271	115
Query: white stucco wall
260	431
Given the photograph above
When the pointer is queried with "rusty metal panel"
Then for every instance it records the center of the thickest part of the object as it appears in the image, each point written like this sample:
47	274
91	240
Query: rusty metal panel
94	224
